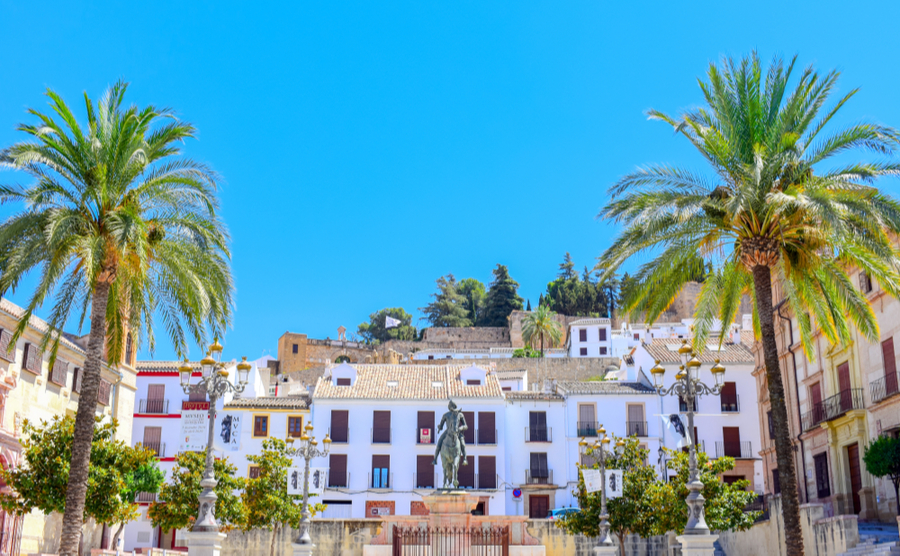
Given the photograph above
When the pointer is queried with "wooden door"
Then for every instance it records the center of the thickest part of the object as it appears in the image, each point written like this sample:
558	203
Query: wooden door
339	420
815	396
487	427
337	470
381	471
156	394
844	387
636	424
538	506
424	472
487	472
731	439
855	476
890	367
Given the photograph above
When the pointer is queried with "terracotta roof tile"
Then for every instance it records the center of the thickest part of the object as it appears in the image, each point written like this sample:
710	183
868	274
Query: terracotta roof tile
39	324
412	382
269	402
666	350
604	387
515	395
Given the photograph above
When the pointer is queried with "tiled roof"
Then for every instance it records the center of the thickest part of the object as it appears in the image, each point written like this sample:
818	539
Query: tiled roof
38	324
269	402
170	366
747	338
413	382
666	350
510	374
525	395
603	387
587	322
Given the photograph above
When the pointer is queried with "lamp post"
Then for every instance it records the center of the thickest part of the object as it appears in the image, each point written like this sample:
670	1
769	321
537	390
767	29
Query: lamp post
696	538
600	449
214	383
307	450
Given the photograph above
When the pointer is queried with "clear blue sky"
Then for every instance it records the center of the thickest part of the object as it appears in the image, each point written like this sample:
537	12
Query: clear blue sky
370	147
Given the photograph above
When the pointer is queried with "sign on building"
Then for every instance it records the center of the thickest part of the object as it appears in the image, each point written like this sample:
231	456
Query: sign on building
194	420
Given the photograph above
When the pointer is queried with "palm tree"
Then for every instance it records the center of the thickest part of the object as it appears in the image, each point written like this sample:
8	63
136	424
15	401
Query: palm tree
541	324
116	225
767	212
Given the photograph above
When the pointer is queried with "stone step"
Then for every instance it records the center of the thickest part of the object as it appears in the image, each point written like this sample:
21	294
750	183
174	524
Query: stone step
870	548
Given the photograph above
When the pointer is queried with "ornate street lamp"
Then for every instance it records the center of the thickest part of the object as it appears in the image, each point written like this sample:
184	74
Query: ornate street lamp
307	450
688	387
600	451
214	383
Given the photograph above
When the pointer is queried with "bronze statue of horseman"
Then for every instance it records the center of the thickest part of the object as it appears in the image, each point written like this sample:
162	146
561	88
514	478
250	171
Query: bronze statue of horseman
451	446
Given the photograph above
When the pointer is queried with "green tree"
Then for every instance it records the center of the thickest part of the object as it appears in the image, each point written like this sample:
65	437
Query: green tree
567	268
178	502
448	307
882	459
473	291
266	498
539	326
374	331
501	300
116	469
120	227
148	477
767	211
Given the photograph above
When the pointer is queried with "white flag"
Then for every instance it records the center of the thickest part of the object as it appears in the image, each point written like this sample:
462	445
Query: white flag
391	322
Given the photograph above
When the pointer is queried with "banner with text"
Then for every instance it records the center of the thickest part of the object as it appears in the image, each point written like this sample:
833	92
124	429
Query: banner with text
194	420
316	480
228	431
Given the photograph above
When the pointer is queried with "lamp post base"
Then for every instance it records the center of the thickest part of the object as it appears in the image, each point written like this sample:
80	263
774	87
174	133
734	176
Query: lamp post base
303	549
697	545
609	550
205	543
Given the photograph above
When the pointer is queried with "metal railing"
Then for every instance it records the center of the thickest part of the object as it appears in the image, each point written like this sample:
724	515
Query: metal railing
486	481
636	428
338	480
145	497
150	406
430	439
425	480
487	437
731	404
159	448
458	541
586	428
740	449
761	504
701	447
377	480
381	435
339	436
538	434
542	477
884	387
833	407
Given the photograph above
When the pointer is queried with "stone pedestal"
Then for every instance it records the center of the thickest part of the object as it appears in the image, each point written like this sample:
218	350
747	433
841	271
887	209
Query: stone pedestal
697	545
303	549
205	543
611	550
450	509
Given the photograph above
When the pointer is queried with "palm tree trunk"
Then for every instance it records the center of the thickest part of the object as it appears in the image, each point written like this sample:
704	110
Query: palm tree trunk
784	450
542	344
84	425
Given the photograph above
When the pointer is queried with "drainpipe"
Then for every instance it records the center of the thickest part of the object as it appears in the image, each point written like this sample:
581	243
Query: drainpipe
797	395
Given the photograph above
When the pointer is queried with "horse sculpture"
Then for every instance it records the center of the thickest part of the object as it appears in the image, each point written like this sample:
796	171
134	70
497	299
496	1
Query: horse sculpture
451	446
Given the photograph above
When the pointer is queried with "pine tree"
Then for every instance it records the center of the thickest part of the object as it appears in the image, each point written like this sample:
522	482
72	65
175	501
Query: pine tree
502	299
449	306
567	268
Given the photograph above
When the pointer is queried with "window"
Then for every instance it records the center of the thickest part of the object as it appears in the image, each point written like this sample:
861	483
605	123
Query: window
340	419
636	424
58	373
603	351
776	484
731	479
381	427
823	486
337	470
103	394
487	472
153	440
129	348
424	472
76	379
431	357
729	398
771	425
466	473
381	471
582	352
295	348
295	427
507	388
254	472
487	428
637	337
425	427
890	367
865	282
156	399
473	382
582	334
731	442
539	473
537	429
32	360
343	382
260	425
5	337
469	434
587	420
602	334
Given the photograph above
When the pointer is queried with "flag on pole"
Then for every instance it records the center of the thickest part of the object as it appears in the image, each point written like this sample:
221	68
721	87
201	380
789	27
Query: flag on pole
391	322
674	422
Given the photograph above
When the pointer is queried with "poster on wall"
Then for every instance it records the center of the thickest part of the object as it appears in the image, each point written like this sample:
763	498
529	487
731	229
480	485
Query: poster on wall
316	480
228	431
194	419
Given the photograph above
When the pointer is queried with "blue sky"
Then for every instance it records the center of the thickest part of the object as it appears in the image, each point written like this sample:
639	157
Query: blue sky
370	147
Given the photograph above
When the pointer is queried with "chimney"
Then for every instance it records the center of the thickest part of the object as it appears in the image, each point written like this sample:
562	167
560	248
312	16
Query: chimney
735	335
747	322
548	387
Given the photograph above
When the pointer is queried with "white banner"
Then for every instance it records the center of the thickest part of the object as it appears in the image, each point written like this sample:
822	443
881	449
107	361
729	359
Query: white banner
592	480
615	483
228	431
194	422
316	481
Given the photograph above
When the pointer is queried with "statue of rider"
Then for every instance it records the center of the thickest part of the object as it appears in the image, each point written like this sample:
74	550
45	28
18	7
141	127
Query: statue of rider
456	422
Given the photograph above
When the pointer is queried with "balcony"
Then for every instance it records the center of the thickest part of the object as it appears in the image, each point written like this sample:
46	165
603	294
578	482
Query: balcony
381	480
145	497
586	428
339	435
426	480
381	435
425	439
159	448
884	387
833	407
538	476
152	406
731	404
538	434
487	437
636	428
338	479
738	450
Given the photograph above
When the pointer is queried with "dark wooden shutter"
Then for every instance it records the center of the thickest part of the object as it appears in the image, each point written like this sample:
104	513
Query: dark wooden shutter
890	366
466	473
537	422
815	396
32	359
343	382
823	485
5	337
855	476
378	478
153	438
424	472
425	420
58	373
487	428
381	426
261	425
539	468
77	375
487	472
602	334
470	432
582	334
729	397
776	483
156	396
340	418
844	387
103	393
337	470
731	440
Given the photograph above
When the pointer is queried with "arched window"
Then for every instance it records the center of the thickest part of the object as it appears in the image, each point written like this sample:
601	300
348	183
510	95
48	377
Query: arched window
342	359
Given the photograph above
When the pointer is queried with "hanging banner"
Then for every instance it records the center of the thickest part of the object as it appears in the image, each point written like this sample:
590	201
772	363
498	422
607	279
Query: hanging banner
228	431
592	480
194	421
316	481
615	483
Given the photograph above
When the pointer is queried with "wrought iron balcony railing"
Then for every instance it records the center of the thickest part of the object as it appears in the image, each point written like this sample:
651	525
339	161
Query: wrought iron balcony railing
381	435
740	450
339	435
586	428
538	476
158	447
833	407
636	428
884	387
538	434
731	404
153	406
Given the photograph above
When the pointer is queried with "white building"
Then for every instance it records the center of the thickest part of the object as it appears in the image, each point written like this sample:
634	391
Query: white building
487	353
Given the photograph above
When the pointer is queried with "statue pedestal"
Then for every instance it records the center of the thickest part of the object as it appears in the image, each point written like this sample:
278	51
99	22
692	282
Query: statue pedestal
698	545
450	508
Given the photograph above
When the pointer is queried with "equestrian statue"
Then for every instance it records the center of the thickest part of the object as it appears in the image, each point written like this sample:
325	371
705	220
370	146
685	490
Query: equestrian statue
451	445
